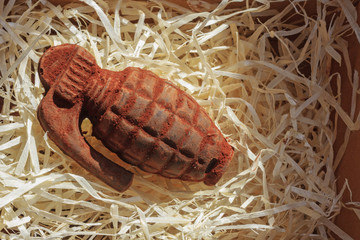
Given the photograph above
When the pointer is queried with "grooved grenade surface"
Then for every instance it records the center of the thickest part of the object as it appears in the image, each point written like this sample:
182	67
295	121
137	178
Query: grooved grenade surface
144	119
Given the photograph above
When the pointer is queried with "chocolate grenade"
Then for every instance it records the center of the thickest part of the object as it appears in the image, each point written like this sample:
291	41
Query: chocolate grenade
147	121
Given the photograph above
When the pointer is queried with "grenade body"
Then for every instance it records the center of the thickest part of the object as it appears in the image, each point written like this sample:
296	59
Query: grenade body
147	121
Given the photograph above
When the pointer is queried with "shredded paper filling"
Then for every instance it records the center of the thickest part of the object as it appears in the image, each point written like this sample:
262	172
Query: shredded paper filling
261	73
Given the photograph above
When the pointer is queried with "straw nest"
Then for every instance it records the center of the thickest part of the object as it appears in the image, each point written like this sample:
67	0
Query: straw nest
262	74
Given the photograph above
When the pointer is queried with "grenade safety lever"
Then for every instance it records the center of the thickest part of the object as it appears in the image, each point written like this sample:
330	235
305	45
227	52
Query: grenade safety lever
147	121
63	126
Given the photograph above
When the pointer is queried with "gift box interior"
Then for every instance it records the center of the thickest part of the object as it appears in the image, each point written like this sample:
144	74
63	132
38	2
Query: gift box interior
278	78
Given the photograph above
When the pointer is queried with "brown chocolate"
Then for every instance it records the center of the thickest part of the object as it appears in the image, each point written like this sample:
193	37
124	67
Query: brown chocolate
144	119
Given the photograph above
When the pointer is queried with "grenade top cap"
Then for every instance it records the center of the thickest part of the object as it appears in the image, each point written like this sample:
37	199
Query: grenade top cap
55	60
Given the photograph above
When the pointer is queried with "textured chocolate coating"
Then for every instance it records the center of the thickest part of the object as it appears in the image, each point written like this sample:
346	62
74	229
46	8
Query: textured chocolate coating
144	119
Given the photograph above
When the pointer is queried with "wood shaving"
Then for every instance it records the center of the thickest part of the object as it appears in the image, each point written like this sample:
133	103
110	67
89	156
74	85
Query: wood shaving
261	74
